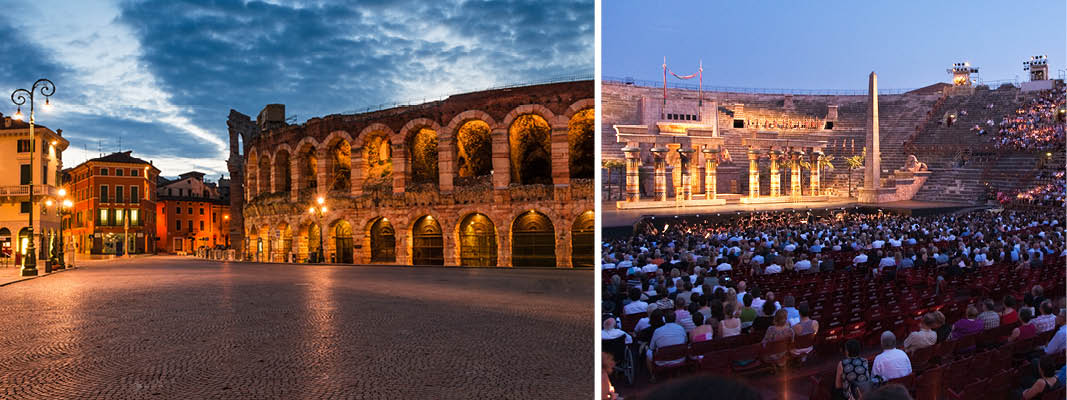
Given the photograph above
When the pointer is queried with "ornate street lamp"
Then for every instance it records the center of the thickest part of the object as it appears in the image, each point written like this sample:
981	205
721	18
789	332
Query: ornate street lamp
318	212
19	97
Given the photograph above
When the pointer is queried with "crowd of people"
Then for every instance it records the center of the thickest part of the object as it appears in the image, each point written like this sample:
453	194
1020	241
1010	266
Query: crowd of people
1034	126
1050	193
686	279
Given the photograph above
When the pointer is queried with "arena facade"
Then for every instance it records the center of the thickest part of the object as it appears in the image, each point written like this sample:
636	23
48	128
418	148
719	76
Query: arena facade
494	178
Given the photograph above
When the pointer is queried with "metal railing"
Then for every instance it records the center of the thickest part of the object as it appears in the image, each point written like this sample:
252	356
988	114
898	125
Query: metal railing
430	99
748	90
993	84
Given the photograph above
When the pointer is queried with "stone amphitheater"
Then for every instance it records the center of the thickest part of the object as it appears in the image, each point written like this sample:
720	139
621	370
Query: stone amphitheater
963	166
493	178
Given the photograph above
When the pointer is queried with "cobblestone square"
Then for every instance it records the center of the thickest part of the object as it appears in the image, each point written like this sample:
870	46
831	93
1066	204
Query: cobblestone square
175	327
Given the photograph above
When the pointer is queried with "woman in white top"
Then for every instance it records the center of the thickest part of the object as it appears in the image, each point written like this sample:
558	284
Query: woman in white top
731	325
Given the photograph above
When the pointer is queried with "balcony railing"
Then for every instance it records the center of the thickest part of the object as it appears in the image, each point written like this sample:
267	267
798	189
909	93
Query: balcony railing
24	190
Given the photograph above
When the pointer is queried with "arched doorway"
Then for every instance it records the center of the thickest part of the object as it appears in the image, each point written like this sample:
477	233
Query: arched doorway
477	241
339	166
427	245
580	138
6	248
282	174
313	245
531	150
582	244
533	241
474	151
285	242
378	162
422	146
382	241
264	176
342	236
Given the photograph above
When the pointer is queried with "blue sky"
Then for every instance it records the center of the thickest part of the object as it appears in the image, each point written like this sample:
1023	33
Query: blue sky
162	75
829	44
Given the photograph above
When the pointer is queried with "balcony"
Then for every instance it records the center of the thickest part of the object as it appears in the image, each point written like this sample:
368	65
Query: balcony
24	191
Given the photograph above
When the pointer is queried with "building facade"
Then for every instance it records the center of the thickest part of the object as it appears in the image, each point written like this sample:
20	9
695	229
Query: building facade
114	208
191	214
493	178
16	204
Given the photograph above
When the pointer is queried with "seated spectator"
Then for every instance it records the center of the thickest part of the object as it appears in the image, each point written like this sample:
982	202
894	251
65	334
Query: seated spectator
636	305
924	337
731	326
892	363
682	315
1050	379
806	326
774	268
1059	340
990	319
789	305
779	331
1026	330
1009	315
1047	320
968	325
765	320
803	265
670	334
748	314
853	373
610	331
702	332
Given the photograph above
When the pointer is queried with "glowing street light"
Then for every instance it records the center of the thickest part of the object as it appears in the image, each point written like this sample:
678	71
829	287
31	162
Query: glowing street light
20	97
318	212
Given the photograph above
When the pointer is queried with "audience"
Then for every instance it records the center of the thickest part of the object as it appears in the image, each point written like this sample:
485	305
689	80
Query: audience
1034	125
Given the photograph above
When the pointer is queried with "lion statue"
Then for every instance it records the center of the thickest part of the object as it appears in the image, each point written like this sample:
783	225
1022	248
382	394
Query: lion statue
914	165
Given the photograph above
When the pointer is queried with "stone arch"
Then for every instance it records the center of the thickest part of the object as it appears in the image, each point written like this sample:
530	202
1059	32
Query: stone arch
533	240
421	149
477	240
581	149
306	158
283	177
341	235
376	156
251	175
285	240
583	244
263	170
578	106
530	149
538	109
469	115
337	152
381	236
474	149
313	247
428	241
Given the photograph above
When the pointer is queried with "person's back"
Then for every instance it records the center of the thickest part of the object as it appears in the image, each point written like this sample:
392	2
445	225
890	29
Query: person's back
892	363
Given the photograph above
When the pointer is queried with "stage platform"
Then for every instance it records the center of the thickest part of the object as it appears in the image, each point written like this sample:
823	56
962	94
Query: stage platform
613	217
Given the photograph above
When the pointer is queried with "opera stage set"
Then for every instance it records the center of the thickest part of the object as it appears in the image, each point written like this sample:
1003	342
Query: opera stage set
692	152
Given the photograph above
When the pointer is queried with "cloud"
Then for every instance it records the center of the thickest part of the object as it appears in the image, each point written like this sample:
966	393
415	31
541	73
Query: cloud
164	74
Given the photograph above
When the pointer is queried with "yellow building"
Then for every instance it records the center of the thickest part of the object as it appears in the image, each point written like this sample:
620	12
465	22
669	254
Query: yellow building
15	201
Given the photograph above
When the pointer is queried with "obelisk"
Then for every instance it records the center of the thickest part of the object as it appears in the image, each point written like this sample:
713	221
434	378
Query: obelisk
872	175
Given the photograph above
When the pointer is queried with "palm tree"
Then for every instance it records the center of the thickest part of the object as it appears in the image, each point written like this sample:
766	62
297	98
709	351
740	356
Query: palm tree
612	166
824	163
855	162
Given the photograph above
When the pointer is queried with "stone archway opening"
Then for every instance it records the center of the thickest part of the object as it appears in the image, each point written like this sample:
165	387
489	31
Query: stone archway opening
264	175
474	152
339	168
581	144
422	147
344	246
582	240
533	241
285	242
308	168
382	241
531	150
314	245
282	174
427	244
378	159
477	241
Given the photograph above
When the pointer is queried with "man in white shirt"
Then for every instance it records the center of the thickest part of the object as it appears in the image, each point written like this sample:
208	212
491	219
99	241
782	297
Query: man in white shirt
724	266
669	334
878	243
860	258
774	268
758	259
803	264
635	305
893	363
886	261
1059	340
650	268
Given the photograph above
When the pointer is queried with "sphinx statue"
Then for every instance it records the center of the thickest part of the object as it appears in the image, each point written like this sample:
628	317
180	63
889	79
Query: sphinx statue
914	165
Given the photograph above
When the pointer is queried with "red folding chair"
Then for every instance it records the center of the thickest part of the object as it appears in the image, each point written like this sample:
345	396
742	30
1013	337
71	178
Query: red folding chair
670	353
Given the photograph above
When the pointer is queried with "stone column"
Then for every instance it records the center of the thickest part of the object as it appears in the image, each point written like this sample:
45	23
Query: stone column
294	182
816	159
776	174
686	192
711	175
659	154
322	176
633	178
753	174
501	159
561	156
446	163
872	174
401	170
359	165
563	247
694	173
794	169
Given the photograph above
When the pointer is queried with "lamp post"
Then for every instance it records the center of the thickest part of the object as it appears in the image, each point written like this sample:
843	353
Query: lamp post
64	209
19	97
318	212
